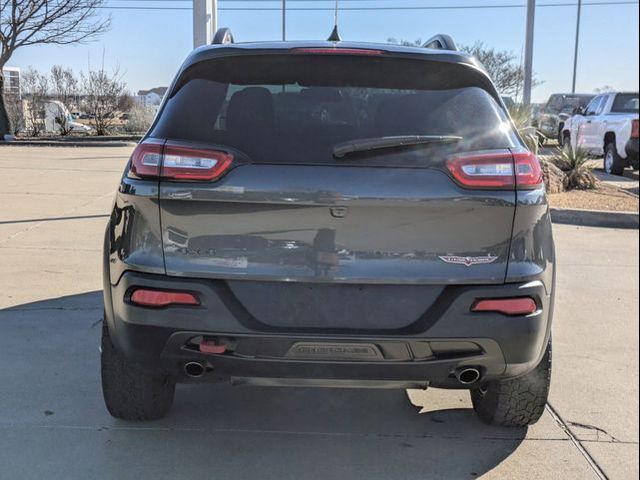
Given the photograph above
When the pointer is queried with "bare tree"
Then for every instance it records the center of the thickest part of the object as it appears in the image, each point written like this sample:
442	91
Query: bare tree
140	119
405	43
125	102
103	95
15	111
604	89
64	87
502	66
26	23
34	87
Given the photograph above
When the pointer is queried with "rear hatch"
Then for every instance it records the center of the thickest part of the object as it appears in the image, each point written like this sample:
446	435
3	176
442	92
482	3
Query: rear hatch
307	234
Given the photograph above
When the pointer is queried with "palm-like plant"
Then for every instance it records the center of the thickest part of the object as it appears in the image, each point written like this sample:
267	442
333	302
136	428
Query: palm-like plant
522	116
574	162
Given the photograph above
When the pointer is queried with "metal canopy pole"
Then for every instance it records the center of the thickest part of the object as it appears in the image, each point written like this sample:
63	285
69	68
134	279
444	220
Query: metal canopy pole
575	54
528	52
205	21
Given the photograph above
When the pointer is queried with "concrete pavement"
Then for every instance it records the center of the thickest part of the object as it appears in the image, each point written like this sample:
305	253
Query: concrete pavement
53	207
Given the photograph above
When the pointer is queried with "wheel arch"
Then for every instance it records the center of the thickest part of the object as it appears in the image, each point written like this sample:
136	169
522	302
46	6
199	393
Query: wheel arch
609	137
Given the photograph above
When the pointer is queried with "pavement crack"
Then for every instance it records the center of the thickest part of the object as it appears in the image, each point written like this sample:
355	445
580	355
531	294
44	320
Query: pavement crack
587	456
598	430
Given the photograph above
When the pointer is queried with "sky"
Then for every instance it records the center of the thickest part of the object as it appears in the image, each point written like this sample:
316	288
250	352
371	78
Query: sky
148	43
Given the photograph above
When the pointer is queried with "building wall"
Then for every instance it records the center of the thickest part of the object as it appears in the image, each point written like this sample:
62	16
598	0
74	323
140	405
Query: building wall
11	80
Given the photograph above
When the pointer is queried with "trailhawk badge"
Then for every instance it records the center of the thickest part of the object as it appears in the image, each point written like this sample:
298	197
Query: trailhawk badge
468	261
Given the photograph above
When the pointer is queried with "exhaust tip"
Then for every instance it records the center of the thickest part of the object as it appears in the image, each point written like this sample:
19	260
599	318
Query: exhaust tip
194	369
467	376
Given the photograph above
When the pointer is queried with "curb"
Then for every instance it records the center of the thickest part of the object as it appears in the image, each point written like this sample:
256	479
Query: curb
595	218
54	143
107	141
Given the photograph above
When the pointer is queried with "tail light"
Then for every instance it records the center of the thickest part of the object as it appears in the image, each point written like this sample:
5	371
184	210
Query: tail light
506	306
528	170
497	170
146	159
635	128
162	298
151	159
181	163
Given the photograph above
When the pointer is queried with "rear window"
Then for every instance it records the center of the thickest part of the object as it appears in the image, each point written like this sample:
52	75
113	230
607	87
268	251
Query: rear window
625	103
297	108
571	102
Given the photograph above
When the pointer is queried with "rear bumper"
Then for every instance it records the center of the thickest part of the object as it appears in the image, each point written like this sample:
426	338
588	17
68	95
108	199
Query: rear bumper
429	351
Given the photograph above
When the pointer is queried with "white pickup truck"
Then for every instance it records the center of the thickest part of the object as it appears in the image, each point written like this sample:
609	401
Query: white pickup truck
607	126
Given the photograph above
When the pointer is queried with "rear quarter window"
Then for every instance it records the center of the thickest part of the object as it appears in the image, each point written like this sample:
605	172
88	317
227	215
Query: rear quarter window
625	103
296	108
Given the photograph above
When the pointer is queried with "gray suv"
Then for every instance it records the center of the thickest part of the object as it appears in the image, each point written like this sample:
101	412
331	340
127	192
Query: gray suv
330	214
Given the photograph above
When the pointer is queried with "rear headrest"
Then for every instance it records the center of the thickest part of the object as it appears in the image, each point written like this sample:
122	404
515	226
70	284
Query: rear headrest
400	115
250	108
321	95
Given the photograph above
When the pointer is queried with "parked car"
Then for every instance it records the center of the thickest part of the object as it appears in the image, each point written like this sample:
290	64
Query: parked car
551	118
607	127
330	214
56	114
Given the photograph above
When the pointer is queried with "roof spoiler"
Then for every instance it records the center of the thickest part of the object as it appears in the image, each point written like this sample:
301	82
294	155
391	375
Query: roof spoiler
222	36
441	42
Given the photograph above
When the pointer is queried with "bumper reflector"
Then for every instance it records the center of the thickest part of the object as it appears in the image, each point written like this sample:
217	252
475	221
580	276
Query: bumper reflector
506	306
210	346
161	298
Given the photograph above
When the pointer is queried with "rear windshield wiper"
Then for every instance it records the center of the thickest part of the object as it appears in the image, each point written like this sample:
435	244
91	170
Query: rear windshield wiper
379	143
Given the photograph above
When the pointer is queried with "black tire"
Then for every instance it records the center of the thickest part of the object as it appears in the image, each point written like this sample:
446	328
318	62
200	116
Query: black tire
517	402
131	392
566	142
613	163
561	135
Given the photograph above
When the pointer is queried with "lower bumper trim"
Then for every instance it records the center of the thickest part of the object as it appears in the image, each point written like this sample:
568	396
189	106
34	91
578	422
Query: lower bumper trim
327	383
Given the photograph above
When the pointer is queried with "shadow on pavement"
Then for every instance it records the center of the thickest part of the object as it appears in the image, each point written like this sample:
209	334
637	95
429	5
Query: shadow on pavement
51	410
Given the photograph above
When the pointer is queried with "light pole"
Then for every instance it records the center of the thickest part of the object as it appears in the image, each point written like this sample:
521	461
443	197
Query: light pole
528	52
205	21
575	53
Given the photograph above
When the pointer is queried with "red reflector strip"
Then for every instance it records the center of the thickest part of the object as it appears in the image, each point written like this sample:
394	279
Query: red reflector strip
210	346
159	298
337	51
507	306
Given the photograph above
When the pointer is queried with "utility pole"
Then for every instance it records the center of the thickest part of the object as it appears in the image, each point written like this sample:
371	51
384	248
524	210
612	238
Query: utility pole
205	21
528	52
284	20
575	54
